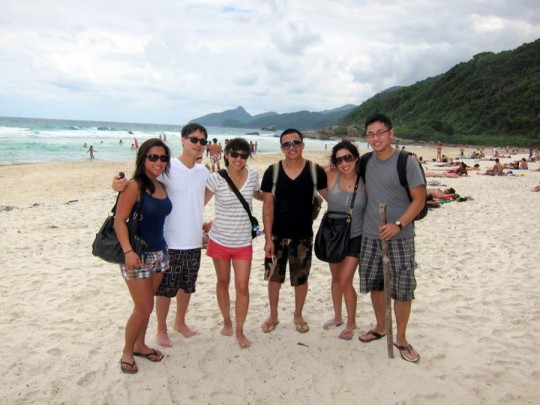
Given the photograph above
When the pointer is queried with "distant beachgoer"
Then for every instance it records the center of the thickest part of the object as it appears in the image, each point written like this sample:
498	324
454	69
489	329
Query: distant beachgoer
523	164
462	169
120	142
215	154
446	194
536	189
91	151
496	170
439	152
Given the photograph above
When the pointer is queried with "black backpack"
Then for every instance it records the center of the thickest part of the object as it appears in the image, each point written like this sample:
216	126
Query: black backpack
402	173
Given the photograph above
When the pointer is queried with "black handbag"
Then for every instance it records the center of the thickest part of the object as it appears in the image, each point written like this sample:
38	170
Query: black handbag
254	223
106	245
332	240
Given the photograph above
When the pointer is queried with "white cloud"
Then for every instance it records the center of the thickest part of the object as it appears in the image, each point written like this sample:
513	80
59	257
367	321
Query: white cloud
169	62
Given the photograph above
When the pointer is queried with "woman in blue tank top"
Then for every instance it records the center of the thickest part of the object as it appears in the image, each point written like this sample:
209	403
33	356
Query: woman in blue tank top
143	275
342	176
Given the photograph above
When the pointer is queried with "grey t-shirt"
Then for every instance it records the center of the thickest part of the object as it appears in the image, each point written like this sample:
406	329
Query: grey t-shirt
382	185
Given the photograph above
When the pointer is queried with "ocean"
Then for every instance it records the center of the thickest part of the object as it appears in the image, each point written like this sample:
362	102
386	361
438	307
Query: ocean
35	140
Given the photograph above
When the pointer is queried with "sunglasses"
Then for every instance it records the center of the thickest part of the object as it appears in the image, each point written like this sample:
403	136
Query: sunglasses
194	139
347	158
235	154
154	158
287	145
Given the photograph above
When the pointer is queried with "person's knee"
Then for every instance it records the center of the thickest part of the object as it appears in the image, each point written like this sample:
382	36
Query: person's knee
242	289
144	309
223	282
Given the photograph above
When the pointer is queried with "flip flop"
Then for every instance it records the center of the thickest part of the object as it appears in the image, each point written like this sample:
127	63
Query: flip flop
346	334
376	336
331	323
132	370
152	356
301	326
269	326
407	349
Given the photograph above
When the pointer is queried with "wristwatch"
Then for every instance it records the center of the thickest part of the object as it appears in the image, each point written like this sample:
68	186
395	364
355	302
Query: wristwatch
398	223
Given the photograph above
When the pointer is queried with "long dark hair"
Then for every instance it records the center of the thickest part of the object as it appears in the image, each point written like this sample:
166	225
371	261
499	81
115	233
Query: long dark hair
237	145
140	174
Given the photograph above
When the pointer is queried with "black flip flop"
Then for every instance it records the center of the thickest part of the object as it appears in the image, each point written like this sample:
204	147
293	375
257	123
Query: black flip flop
376	335
148	356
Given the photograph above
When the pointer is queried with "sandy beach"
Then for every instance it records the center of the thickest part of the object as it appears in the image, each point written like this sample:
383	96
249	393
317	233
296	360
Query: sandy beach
475	320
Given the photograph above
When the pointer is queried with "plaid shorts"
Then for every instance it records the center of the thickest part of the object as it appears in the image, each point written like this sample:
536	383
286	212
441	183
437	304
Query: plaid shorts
402	266
154	262
182	272
298	253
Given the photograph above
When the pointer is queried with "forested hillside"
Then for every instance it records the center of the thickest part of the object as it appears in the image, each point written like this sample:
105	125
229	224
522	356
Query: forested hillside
491	99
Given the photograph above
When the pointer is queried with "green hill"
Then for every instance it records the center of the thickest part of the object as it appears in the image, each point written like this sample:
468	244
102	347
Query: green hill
493	99
302	120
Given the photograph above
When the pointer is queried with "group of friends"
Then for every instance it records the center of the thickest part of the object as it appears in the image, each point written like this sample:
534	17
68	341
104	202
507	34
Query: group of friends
174	192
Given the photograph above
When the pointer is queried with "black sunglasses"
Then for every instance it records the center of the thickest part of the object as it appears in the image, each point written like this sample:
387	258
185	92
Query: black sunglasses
234	154
287	145
194	139
154	158
347	158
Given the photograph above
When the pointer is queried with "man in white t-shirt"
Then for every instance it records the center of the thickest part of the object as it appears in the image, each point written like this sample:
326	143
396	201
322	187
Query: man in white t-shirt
186	185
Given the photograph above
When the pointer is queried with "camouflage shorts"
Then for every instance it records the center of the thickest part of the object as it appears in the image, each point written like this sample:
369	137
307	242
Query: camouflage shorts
297	253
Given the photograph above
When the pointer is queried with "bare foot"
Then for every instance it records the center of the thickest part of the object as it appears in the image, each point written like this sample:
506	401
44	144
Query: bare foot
185	330
162	339
227	330
243	341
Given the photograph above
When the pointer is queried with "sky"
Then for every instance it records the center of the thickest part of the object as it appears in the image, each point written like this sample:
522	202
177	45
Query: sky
168	62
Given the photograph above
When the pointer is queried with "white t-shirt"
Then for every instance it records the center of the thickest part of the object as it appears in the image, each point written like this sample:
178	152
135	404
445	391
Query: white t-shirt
185	187
231	226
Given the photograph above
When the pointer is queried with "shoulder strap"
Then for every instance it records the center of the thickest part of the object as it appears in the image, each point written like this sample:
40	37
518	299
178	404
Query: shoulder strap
362	165
313	171
275	174
223	173
351	208
402	168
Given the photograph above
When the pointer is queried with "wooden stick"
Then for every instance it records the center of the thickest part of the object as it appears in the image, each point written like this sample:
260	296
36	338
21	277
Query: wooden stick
387	286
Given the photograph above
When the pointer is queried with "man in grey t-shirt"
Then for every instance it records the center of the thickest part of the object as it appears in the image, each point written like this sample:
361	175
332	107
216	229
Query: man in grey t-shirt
382	185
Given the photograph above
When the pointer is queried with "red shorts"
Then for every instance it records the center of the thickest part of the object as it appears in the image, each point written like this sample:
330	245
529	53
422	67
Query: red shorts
216	251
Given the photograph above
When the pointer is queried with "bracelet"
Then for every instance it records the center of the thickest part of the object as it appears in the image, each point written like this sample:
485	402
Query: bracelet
125	253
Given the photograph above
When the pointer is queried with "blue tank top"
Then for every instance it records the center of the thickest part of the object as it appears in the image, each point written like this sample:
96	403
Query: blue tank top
154	211
339	200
